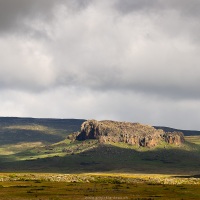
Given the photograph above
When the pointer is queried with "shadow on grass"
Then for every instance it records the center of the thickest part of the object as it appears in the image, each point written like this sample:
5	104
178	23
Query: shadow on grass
61	127
107	158
17	136
189	176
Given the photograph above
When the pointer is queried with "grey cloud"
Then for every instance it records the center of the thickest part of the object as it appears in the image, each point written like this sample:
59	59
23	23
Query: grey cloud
164	89
175	17
121	60
96	49
16	14
138	56
25	65
13	13
189	8
127	6
76	103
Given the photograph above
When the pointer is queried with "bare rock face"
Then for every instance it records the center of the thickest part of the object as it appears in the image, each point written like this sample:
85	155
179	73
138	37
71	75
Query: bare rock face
174	137
89	130
126	132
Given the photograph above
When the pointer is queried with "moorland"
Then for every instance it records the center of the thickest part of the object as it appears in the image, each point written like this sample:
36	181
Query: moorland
39	160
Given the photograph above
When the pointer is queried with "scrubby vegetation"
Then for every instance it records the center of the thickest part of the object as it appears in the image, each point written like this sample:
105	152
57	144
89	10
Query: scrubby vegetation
40	159
97	186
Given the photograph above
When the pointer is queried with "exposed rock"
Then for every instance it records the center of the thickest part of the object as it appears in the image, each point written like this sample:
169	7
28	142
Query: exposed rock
126	132
73	136
174	137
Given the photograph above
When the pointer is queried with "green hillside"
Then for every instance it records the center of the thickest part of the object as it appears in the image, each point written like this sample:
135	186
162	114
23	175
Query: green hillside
15	130
19	135
89	156
42	145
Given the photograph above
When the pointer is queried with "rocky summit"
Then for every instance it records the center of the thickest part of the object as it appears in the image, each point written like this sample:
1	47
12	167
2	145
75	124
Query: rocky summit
131	133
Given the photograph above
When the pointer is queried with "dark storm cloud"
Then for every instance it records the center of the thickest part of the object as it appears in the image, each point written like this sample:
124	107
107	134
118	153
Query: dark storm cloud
127	6
14	13
188	8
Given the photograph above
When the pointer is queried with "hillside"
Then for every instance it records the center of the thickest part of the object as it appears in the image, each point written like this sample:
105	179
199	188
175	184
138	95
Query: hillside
14	130
47	145
92	157
185	132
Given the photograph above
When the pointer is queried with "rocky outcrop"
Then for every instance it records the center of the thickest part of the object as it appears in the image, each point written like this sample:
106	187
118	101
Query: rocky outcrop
126	132
174	137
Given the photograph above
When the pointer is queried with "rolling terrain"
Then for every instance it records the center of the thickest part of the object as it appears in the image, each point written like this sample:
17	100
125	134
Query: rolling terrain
44	145
42	159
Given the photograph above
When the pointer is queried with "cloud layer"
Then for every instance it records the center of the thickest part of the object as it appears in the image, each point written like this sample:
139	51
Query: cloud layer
122	60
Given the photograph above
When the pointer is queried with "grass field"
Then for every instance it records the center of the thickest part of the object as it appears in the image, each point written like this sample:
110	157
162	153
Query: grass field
97	186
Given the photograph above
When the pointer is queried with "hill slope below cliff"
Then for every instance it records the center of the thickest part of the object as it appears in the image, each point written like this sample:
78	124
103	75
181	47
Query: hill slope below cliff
46	145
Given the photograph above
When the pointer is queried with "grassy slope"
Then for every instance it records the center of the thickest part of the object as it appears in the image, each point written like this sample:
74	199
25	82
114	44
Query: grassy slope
14	130
40	145
193	139
89	156
21	134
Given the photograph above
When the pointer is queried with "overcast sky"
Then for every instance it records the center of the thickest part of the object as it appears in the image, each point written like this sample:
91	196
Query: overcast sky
127	60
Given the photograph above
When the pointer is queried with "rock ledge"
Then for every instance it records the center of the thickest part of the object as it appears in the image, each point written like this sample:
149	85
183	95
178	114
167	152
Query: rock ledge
126	132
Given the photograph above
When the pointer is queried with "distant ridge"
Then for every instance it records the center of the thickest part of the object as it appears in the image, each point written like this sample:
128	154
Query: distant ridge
62	123
52	122
185	132
47	130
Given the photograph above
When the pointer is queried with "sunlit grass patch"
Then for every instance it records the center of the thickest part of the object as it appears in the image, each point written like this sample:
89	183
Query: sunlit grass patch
193	139
98	185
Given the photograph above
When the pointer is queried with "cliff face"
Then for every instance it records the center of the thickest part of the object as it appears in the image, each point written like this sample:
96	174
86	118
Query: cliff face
130	133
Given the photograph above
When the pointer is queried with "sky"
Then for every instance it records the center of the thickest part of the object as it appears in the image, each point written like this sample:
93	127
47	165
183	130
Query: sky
126	60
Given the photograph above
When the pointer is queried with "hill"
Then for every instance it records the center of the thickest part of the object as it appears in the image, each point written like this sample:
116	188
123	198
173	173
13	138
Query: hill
47	145
126	132
185	132
14	130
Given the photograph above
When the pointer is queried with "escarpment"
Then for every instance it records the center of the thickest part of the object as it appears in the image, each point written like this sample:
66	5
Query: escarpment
126	132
